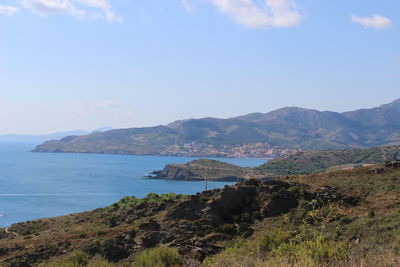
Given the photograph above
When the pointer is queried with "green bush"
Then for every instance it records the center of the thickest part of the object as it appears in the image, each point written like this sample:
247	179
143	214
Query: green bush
158	257
132	201
100	263
229	229
311	252
371	214
111	221
307	249
344	220
75	259
273	240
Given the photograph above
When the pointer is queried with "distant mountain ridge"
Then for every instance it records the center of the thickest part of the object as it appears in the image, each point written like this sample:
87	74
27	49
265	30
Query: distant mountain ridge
27	138
290	127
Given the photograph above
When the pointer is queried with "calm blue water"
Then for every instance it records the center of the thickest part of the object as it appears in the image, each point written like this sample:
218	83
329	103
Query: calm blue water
37	185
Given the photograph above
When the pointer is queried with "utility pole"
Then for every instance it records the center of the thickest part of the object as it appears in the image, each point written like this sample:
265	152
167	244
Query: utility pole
206	182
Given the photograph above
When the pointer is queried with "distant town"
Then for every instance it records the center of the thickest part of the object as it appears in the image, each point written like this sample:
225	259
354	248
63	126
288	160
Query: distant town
256	150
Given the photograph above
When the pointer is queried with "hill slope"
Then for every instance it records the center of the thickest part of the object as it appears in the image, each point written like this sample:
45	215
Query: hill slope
312	161
288	127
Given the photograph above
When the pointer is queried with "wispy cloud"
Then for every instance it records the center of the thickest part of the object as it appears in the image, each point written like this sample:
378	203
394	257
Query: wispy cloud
8	10
188	5
376	21
90	107
76	8
271	13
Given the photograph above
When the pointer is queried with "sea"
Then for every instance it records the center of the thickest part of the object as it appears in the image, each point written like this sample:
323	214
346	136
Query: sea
39	185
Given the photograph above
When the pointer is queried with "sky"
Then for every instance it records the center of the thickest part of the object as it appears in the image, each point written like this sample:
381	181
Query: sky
85	64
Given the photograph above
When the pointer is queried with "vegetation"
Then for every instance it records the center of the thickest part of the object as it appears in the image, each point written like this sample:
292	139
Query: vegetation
158	257
131	202
278	247
77	259
155	257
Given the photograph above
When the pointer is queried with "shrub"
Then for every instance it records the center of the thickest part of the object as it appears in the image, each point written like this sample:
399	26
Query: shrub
111	221
158	257
229	229
132	201
273	240
344	220
75	259
311	252
100	263
371	214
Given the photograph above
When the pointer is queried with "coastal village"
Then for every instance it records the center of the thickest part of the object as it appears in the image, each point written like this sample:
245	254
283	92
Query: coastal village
255	150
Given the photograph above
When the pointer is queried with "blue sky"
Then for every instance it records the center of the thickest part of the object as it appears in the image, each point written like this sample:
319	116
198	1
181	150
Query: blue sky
84	64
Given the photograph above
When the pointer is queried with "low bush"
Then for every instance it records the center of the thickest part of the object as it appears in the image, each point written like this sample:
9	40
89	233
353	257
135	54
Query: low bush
132	201
273	240
229	229
283	248
311	252
158	257
77	259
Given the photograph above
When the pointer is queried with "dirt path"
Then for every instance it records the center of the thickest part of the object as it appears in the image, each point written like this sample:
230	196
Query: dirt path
10	232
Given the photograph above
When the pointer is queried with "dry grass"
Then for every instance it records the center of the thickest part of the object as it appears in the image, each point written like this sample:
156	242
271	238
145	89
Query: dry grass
386	259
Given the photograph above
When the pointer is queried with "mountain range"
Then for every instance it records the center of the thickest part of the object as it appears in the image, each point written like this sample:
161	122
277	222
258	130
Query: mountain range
289	127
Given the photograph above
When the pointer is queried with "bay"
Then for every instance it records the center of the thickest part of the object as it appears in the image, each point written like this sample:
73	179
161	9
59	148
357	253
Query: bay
38	185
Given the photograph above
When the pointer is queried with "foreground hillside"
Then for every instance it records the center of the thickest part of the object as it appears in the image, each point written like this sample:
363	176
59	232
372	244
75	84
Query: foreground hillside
290	127
340	218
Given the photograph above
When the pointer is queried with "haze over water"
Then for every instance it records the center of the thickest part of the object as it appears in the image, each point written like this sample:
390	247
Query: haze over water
37	185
